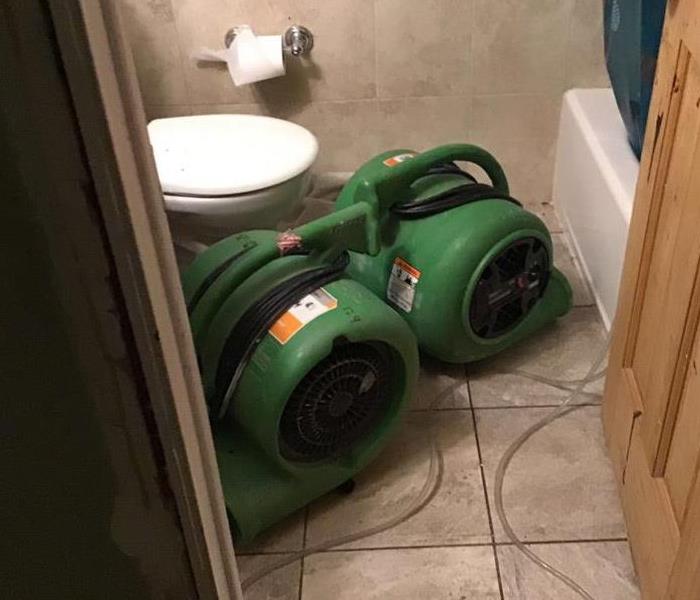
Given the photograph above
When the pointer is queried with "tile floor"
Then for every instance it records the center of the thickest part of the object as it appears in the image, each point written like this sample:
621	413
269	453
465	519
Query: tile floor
559	492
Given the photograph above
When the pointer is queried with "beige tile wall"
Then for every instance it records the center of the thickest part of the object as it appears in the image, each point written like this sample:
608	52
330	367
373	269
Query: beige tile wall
388	73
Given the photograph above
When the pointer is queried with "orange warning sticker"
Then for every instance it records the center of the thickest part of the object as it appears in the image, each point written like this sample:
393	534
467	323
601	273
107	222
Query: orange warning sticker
399	158
302	313
403	280
409	268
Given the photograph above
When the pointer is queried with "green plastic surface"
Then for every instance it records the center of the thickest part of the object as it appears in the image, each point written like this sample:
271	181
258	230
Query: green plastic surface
260	486
450	250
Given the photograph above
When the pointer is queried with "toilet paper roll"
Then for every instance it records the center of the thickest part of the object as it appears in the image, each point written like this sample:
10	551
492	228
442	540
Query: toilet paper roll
249	58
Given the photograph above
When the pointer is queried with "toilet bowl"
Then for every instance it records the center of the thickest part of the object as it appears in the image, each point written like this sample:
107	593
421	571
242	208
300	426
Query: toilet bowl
221	174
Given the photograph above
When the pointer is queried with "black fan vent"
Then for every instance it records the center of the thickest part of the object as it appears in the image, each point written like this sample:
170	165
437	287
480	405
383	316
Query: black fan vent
509	287
337	403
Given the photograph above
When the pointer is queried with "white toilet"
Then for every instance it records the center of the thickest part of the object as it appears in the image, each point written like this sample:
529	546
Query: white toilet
221	174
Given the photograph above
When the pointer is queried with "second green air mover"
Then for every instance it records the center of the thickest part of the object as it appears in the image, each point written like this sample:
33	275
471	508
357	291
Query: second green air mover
463	262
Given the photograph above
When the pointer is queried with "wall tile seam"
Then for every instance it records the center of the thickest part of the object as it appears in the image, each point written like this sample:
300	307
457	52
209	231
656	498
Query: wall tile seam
339	101
181	55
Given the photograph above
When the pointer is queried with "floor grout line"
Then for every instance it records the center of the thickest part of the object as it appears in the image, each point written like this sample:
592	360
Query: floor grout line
485	488
438	546
303	546
531	406
465	409
568	541
387	548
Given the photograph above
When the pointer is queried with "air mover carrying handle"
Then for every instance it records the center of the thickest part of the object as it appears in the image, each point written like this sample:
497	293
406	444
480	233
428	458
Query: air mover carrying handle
377	186
399	178
387	178
355	228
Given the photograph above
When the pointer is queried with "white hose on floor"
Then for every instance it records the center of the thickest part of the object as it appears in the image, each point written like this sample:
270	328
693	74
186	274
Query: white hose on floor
427	493
564	408
568	385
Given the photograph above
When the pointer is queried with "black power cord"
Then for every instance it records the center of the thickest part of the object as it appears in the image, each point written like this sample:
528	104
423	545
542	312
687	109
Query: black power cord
451	168
212	278
457	196
252	327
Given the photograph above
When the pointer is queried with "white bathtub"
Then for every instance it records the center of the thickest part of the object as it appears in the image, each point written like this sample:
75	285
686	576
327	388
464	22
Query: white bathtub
594	181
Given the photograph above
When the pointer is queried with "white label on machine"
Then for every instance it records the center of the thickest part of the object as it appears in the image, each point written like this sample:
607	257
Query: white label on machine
303	312
403	280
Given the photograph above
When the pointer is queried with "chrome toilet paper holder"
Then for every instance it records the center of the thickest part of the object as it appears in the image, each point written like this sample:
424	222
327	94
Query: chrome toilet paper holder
297	40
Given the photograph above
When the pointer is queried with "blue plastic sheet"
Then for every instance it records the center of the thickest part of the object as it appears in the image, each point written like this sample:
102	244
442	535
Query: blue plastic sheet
632	37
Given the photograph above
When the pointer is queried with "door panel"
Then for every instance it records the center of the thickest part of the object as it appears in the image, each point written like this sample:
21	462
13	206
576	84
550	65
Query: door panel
685	577
662	309
653	530
652	396
685	444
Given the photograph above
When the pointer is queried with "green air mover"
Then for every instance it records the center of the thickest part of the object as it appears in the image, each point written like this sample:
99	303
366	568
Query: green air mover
305	370
466	266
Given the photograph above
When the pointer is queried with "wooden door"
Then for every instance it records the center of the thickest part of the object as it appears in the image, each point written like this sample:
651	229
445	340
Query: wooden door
652	396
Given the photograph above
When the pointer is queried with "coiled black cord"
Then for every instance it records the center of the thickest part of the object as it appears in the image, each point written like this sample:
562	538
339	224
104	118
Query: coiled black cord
451	169
252	327
457	196
211	279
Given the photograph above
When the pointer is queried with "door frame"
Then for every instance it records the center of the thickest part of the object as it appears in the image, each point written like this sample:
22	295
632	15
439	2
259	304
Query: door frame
99	70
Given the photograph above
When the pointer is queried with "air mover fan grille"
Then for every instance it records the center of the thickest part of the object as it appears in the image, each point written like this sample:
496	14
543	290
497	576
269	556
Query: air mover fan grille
509	287
337	403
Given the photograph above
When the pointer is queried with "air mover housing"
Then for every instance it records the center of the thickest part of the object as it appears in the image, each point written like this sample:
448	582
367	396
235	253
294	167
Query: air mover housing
314	409
464	264
305	371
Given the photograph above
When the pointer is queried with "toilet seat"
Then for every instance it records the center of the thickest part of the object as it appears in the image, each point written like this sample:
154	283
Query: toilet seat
213	157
